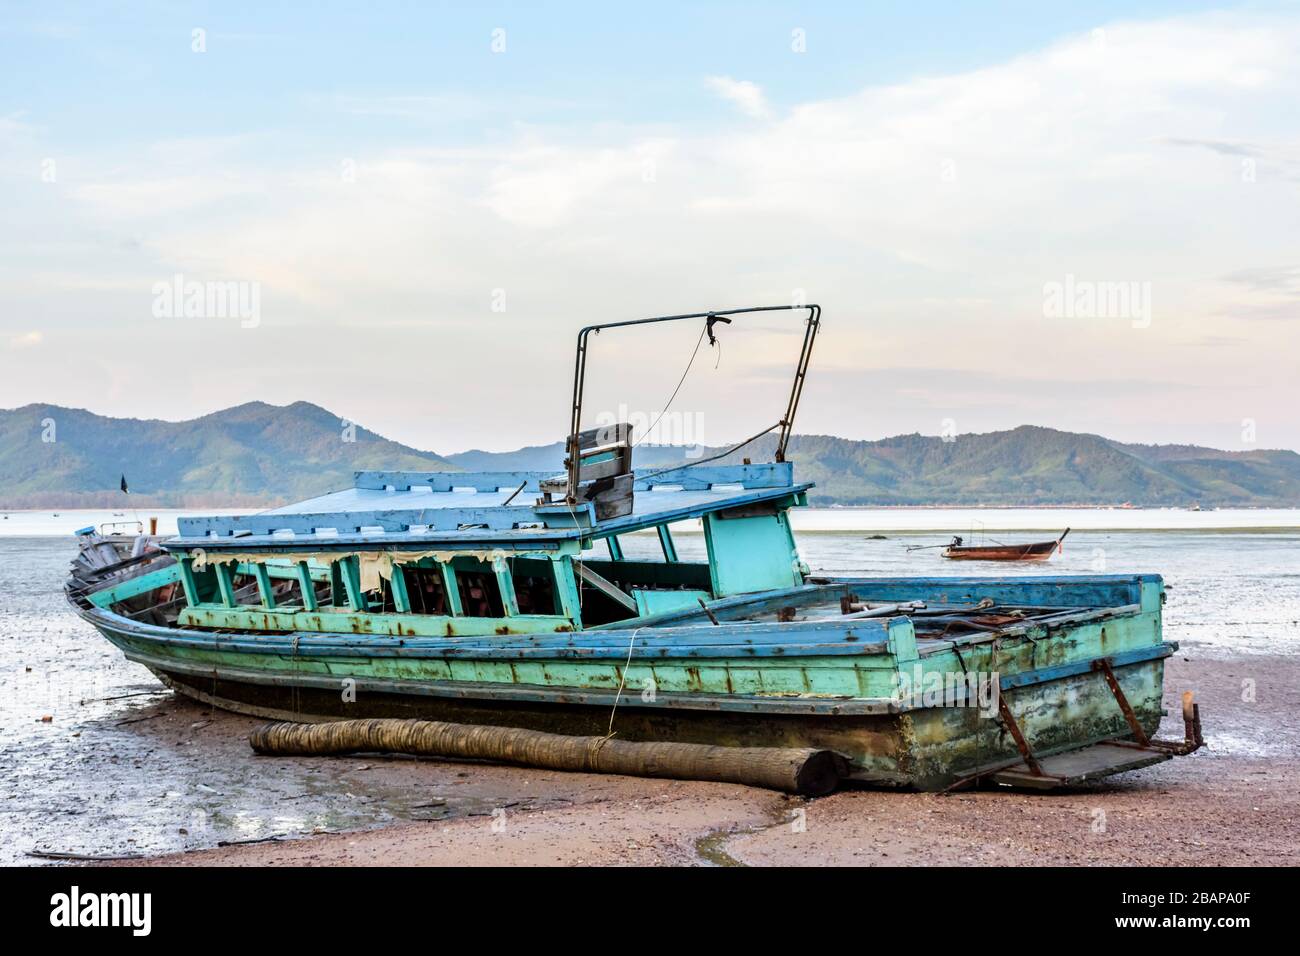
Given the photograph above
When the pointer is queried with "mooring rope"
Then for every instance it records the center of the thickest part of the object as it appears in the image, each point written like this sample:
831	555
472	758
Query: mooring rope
622	679
705	461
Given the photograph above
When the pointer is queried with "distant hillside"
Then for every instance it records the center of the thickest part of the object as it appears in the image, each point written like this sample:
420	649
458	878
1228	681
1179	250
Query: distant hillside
256	455
252	455
1024	466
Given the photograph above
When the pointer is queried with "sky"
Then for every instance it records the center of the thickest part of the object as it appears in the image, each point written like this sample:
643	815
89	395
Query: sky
1081	216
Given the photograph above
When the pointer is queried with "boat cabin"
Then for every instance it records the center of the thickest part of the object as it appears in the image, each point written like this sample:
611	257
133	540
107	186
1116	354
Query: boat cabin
444	553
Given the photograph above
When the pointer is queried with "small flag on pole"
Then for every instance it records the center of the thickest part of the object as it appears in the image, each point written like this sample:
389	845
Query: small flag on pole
125	489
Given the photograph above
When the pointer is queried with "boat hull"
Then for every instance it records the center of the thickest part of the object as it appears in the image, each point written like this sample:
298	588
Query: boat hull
1059	700
927	749
1025	552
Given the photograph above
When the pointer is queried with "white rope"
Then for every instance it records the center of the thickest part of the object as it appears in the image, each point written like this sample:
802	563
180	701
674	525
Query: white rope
621	681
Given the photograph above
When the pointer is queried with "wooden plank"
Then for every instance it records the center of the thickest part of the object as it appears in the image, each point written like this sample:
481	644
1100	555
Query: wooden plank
263	577
350	569
506	585
306	586
1084	590
337	591
328	634
486	481
134	587
451	589
479	690
401	600
224	585
1078	766
188	584
441	481
433	517
605	586
613	502
566	589
703	477
600	435
666	542
448	525
1137	655
609	468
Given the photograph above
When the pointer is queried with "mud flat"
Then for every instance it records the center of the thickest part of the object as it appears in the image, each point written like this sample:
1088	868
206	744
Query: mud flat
1237	803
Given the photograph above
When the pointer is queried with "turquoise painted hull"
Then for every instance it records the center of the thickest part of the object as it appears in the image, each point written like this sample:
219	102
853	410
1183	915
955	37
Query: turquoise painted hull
747	681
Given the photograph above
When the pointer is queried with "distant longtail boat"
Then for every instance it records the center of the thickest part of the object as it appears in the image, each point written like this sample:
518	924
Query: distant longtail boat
1037	551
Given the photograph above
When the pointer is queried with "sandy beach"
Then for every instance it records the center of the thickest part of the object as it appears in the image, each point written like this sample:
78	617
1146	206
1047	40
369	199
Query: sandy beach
1234	803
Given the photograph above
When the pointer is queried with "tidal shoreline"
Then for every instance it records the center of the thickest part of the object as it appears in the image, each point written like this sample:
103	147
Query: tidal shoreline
1235	803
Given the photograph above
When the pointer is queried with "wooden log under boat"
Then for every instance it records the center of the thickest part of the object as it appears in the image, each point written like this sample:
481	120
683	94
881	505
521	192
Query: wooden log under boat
1035	551
805	771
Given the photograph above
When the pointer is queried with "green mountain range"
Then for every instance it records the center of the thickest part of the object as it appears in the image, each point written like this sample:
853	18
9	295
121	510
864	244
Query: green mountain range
1025	466
253	455
257	455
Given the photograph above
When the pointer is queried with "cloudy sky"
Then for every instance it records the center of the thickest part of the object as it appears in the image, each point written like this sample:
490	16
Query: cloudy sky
1088	220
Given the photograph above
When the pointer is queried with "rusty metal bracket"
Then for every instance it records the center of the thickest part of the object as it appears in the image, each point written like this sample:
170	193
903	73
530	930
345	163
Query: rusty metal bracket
1192	738
1009	721
1134	725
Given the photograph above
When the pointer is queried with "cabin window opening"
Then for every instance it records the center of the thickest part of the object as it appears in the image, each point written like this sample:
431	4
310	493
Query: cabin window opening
246	592
425	589
334	599
535	590
649	577
207	591
287	593
599	607
382	601
476	582
340	598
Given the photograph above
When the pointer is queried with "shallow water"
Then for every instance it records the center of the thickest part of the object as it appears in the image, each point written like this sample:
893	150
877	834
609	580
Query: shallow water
129	774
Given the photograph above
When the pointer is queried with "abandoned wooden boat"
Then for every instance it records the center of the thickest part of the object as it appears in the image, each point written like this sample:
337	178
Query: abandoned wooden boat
530	600
1036	551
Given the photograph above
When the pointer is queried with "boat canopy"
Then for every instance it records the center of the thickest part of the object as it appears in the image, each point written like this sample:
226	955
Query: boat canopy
404	510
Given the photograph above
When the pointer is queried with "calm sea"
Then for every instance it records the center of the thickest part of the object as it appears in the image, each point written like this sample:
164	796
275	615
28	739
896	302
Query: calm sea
92	780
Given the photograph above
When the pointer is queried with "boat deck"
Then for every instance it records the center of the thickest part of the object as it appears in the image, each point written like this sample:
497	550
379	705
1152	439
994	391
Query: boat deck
402	510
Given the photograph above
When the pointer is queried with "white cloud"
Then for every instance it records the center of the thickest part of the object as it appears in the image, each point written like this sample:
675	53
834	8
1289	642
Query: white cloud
743	94
26	340
925	215
163	196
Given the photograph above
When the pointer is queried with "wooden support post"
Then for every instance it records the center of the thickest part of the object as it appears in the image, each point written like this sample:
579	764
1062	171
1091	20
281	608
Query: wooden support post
452	590
606	587
188	584
225	586
264	591
401	600
666	542
615	549
307	586
351	572
566	589
506	584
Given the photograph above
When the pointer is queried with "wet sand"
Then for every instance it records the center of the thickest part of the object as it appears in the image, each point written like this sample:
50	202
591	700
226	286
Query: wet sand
1235	803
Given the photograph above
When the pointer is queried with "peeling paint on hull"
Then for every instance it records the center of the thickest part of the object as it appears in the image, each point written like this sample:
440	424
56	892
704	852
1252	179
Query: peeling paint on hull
927	748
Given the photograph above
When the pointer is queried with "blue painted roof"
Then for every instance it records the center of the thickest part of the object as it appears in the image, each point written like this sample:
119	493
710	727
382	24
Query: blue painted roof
406	509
